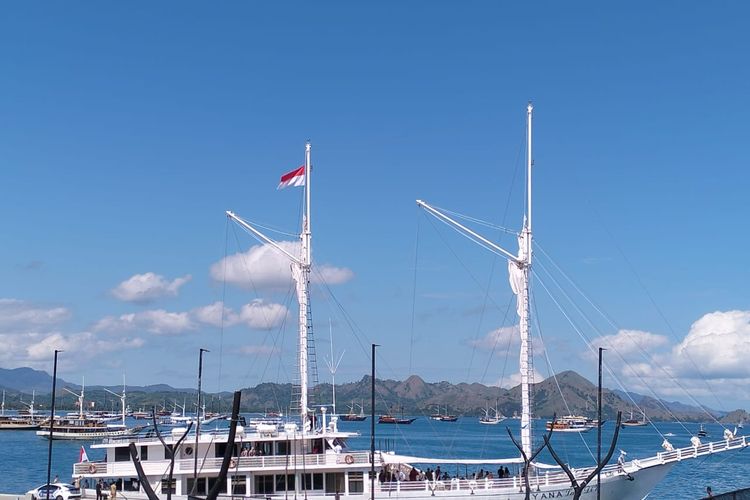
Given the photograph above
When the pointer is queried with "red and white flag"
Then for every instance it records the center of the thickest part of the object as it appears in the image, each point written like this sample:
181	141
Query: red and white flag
293	178
82	457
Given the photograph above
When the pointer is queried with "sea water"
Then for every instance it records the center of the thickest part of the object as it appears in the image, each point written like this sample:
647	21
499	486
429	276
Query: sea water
23	454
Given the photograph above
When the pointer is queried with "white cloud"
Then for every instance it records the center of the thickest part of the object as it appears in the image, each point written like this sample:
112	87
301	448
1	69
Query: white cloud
158	322
19	315
630	344
498	338
257	315
708	362
331	275
715	347
29	336
504	337
262	316
42	350
147	287
264	267
215	315
35	349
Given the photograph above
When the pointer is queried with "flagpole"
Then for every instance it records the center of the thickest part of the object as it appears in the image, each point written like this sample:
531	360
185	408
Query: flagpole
308	180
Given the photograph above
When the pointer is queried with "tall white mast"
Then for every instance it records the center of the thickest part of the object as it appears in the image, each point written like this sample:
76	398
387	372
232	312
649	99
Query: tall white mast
301	273
524	265
519	267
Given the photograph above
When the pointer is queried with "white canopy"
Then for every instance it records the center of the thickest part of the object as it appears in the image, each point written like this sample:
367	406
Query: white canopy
390	458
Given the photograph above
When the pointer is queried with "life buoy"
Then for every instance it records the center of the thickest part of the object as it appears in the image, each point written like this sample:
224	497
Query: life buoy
349	459
232	463
92	469
473	484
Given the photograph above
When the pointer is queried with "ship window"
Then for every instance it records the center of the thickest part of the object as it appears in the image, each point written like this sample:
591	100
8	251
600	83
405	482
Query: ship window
122	454
220	448
312	483
283	447
144	453
334	482
356	482
317	445
238	485
165	488
285	482
212	482
263	484
131	484
201	486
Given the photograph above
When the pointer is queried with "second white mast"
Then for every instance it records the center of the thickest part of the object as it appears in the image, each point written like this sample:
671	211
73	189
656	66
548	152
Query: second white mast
524	265
519	268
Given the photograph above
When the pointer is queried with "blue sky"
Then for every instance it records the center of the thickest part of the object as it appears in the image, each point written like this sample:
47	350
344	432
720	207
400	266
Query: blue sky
128	130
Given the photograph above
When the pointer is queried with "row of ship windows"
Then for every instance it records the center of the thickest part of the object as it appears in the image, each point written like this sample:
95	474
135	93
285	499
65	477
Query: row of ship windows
331	482
122	453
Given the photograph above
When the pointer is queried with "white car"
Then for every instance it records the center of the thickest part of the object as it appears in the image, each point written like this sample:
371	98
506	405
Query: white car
57	491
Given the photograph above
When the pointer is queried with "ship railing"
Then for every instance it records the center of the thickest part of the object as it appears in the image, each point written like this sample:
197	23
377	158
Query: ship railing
703	449
546	478
472	486
280	462
283	461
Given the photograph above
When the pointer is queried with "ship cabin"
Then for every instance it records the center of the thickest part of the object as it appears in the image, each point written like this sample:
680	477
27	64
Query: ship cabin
269	461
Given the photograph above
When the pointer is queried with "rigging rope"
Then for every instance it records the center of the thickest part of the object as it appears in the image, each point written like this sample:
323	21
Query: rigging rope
548	362
591	348
583	337
672	332
246	266
223	305
414	294
643	352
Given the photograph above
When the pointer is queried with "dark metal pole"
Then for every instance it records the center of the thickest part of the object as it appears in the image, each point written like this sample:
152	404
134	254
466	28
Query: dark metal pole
197	421
372	426
51	421
599	430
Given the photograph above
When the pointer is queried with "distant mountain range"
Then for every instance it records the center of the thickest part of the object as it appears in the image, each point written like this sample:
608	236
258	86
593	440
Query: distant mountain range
412	396
26	380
